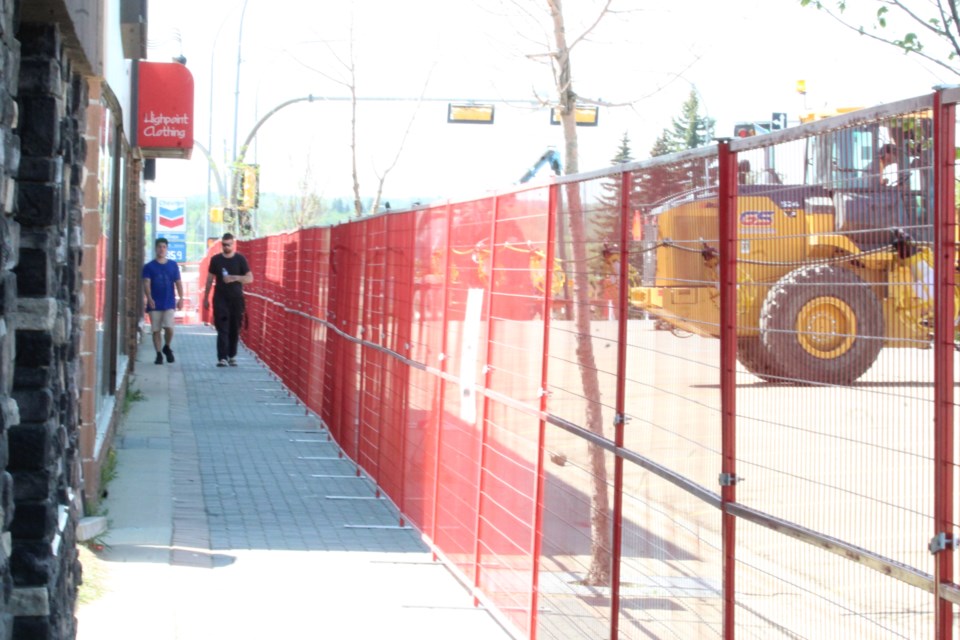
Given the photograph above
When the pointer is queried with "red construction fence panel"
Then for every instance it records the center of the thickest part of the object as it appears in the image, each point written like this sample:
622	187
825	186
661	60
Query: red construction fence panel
706	395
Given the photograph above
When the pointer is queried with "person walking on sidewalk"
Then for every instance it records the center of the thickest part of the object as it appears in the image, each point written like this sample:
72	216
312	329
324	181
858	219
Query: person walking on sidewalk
160	277
231	271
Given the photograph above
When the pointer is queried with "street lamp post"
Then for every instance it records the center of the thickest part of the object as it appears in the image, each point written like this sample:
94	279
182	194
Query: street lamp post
236	94
213	55
231	195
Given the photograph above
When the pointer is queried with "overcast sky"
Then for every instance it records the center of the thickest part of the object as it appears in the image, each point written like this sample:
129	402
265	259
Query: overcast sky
743	57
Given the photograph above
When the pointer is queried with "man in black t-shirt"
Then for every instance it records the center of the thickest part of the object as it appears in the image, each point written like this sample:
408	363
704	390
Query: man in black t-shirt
231	272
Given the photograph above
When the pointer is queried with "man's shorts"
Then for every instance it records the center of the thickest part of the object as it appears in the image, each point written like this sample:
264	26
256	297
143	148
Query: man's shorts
161	319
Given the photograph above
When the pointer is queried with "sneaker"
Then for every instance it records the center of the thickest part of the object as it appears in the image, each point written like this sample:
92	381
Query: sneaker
159	359
167	351
232	362
222	363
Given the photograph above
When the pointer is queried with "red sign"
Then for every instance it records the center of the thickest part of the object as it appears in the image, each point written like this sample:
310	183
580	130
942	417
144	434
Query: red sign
164	109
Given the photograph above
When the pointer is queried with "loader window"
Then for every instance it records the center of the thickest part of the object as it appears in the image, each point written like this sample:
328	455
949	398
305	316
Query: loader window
853	154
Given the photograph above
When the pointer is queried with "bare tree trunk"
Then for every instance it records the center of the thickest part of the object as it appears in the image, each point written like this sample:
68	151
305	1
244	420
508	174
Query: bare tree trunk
600	529
357	202
350	82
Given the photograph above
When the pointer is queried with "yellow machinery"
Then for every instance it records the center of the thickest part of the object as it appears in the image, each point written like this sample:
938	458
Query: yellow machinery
830	269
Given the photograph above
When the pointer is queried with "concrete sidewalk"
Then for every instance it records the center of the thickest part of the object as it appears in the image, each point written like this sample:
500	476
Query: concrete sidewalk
232	517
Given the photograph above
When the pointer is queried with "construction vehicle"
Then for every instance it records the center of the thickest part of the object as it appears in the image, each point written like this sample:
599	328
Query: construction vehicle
550	157
830	268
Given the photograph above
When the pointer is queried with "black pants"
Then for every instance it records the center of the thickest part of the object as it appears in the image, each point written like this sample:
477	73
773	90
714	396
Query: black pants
227	316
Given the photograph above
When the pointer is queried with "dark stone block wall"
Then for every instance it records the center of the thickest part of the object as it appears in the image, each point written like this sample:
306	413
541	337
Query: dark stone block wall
39	231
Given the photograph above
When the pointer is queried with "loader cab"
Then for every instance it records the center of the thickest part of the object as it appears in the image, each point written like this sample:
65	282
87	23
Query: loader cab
878	177
846	159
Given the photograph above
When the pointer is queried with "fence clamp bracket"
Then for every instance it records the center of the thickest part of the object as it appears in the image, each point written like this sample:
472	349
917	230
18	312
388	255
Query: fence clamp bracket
728	479
943	542
620	419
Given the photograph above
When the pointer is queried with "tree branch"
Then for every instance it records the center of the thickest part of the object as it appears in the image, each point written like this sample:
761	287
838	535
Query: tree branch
403	142
593	26
946	23
863	32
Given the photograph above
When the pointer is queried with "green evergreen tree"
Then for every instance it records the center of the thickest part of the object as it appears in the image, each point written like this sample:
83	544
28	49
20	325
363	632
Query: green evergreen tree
624	153
661	146
688	130
606	221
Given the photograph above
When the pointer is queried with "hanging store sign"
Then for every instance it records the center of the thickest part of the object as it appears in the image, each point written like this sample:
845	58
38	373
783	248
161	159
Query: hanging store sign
164	127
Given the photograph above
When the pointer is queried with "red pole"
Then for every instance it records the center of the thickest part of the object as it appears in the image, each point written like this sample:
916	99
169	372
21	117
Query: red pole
728	374
488	303
363	322
542	431
626	186
442	365
945	254
400	337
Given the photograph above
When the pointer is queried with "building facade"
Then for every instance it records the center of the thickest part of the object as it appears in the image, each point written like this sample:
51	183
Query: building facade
71	231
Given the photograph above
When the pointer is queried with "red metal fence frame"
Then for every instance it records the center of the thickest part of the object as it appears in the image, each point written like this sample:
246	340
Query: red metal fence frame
366	289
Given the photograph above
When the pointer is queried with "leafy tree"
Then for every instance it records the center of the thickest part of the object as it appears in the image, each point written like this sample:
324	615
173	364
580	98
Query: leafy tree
927	28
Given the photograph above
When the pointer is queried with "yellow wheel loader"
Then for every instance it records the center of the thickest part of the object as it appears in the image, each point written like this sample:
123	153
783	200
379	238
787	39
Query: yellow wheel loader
830	269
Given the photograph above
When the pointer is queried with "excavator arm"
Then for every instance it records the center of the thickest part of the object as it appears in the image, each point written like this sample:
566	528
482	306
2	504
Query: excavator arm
551	157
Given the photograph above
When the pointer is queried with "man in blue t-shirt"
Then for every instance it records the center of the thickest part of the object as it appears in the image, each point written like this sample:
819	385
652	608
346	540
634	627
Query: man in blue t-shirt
160	276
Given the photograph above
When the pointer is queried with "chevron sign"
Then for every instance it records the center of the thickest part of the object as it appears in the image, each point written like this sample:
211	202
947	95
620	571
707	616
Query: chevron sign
171	215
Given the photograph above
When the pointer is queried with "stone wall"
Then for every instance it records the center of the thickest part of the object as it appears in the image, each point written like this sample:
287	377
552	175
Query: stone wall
43	452
9	253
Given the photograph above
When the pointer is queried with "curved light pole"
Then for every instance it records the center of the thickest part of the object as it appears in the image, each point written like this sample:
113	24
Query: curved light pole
238	158
215	171
210	164
266	116
236	94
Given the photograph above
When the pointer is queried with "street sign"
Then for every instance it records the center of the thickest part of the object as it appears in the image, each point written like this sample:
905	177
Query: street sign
583	115
779	121
177	251
470	113
173	237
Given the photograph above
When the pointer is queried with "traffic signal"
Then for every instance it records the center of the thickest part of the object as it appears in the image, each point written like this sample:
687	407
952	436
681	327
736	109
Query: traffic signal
250	196
747	129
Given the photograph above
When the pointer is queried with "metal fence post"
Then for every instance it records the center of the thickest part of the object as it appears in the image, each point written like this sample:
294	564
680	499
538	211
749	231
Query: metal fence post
626	186
727	212
442	366
487	374
944	123
544	406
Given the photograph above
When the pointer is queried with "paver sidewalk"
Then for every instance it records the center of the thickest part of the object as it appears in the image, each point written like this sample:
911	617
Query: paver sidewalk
232	517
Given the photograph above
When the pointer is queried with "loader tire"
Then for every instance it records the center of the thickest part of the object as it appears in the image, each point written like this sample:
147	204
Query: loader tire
756	359
822	325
